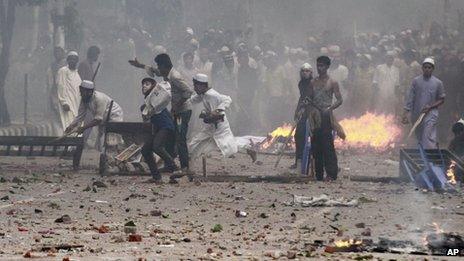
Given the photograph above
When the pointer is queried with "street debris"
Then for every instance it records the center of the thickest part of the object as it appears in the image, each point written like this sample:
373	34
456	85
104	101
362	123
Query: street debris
322	201
65	219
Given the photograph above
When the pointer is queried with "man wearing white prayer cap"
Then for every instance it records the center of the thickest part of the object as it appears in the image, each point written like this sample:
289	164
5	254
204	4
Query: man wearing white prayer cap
305	88
324	51
425	95
386	83
67	83
93	111
215	132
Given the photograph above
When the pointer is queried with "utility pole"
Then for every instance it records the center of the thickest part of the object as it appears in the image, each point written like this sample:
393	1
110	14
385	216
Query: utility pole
58	23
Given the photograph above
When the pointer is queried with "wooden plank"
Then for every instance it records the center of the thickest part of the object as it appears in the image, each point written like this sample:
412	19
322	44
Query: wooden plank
38	153
375	179
232	178
254	179
38	140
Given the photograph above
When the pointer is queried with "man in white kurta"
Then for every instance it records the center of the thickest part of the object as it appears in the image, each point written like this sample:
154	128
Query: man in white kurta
386	81
67	82
216	135
93	110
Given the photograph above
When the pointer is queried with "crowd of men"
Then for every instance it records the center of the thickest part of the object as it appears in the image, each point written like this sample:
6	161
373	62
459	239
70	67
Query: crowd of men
261	85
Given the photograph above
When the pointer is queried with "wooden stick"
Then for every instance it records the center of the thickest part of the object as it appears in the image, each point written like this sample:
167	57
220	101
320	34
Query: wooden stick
281	153
26	87
95	73
203	161
418	121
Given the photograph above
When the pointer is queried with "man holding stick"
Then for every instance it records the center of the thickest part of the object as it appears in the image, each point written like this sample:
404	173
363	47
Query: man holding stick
93	109
424	97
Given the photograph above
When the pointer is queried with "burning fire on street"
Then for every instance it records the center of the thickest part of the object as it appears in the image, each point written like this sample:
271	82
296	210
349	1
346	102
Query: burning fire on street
378	132
370	131
276	139
451	173
345	245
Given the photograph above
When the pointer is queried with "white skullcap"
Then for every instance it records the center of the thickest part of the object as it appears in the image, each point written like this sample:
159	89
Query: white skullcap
271	53
391	53
461	121
225	49
158	49
374	49
73	53
324	50
87	85
200	77
429	60
189	30
306	66
312	39
334	49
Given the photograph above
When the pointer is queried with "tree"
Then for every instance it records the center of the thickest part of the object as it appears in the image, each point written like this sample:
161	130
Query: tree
7	20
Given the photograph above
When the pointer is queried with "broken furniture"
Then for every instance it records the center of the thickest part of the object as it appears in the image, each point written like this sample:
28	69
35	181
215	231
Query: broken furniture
134	134
36	146
427	168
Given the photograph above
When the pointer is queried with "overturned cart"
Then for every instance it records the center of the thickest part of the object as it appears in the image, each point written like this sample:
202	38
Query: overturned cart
125	159
433	169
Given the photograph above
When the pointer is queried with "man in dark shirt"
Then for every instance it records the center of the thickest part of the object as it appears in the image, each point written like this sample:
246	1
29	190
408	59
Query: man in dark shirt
457	144
304	86
86	68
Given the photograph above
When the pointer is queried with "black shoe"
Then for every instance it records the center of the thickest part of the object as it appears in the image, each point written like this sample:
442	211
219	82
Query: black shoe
155	180
168	169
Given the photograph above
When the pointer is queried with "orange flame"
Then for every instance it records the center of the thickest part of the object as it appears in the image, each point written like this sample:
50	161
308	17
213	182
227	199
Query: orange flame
281	131
450	173
347	243
377	131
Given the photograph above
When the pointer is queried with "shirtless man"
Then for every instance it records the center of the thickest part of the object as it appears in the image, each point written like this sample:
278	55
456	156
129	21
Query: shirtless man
322	121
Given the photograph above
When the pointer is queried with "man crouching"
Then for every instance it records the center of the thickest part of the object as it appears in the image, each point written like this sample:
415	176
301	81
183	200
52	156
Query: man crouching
157	98
215	132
